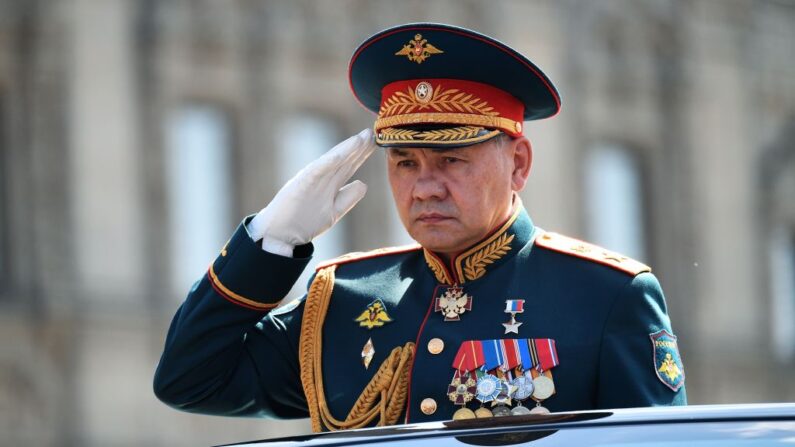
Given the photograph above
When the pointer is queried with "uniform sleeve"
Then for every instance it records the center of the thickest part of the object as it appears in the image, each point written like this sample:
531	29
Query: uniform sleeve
629	373
226	352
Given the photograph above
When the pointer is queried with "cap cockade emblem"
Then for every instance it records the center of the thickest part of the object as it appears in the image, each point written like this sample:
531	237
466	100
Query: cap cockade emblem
418	50
374	316
423	92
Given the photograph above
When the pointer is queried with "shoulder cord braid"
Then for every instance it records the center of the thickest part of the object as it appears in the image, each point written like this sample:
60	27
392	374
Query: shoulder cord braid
383	398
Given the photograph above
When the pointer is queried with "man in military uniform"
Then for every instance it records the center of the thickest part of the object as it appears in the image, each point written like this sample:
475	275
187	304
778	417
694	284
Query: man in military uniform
487	316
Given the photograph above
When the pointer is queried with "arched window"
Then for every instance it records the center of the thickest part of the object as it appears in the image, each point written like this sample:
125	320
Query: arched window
614	200
198	180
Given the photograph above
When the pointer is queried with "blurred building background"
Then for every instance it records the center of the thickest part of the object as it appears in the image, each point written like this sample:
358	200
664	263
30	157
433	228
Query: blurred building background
135	135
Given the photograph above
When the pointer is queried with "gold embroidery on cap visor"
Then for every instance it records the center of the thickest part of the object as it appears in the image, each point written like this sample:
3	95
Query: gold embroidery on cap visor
451	136
477	121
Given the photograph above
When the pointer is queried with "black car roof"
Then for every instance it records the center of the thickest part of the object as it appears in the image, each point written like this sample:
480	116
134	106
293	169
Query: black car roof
554	421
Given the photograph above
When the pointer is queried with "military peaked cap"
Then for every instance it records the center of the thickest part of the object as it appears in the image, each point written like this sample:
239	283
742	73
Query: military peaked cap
435	85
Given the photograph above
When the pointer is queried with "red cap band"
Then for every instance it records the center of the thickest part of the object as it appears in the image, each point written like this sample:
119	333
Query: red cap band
449	101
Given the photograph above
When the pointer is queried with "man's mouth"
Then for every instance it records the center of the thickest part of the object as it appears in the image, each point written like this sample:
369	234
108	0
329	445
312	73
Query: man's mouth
432	217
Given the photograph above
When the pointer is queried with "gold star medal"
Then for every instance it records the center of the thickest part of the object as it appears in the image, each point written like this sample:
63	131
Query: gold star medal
453	303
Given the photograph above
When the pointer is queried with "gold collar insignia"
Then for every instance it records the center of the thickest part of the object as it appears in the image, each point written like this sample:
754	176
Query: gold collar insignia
474	263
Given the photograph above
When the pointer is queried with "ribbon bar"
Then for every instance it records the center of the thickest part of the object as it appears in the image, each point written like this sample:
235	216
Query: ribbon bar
547	353
506	354
469	356
511	358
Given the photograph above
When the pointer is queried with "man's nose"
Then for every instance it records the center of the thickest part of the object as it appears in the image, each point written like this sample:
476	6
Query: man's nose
429	186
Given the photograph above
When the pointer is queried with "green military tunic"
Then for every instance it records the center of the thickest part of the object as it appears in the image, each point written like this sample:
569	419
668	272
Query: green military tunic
228	352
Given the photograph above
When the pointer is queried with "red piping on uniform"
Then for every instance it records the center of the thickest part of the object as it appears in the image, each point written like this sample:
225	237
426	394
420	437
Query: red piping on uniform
416	349
454	31
235	302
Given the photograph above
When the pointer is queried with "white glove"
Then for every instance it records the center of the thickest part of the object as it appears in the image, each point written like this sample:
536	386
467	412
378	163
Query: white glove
315	199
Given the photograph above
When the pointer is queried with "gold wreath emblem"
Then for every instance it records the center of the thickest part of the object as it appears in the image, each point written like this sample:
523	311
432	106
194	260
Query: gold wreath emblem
436	267
450	100
451	134
475	265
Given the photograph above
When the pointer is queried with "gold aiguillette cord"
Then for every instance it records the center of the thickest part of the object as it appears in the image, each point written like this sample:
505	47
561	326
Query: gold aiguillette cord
384	396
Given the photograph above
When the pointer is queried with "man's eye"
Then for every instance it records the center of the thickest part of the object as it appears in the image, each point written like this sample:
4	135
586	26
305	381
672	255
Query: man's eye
406	163
451	160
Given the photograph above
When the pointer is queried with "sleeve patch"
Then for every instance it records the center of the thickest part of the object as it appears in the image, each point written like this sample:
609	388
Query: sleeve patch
585	250
667	361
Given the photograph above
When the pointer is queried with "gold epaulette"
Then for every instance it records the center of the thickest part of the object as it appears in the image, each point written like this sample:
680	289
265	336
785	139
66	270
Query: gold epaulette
360	255
580	249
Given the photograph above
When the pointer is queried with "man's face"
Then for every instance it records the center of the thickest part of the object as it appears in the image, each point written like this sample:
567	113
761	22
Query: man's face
450	199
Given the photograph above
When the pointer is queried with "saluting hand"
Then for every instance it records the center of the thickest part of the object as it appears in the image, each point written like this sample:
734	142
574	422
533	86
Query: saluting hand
315	199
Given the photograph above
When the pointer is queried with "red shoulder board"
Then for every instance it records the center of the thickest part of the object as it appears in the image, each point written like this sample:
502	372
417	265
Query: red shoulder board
361	255
580	249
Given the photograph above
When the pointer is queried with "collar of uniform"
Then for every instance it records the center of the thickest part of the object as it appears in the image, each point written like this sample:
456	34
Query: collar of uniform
486	255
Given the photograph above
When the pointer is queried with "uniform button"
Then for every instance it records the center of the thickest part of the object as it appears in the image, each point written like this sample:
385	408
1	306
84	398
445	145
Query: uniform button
435	346
428	406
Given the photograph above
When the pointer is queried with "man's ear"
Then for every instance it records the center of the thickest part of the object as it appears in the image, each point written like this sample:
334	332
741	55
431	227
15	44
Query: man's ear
522	153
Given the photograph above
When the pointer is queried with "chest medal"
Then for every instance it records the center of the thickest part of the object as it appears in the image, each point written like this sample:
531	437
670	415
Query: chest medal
453	303
504	373
460	391
513	307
